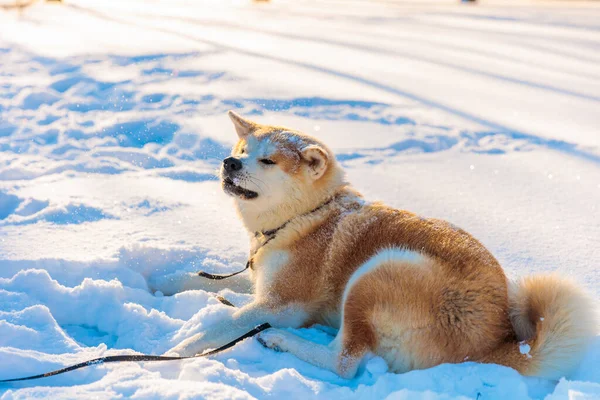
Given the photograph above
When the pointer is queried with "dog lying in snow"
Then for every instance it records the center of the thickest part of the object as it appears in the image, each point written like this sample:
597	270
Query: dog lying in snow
418	292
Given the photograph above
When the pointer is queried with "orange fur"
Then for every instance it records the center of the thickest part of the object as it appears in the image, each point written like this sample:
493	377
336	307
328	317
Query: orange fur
417	291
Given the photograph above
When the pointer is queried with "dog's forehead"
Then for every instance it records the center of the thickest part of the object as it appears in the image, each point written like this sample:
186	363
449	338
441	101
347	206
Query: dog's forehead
277	140
260	145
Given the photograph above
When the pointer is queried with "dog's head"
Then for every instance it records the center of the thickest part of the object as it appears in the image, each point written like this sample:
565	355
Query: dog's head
273	167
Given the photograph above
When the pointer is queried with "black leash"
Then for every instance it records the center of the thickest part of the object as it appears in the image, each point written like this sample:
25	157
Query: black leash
223	300
270	235
218	277
141	357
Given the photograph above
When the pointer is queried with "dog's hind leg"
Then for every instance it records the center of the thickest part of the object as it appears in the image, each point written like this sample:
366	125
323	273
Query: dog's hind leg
375	289
343	355
334	357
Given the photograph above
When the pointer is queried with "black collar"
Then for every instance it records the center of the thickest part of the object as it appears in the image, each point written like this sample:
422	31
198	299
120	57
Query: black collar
271	233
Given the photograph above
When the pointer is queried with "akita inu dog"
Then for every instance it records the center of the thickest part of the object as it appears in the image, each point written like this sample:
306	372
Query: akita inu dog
417	292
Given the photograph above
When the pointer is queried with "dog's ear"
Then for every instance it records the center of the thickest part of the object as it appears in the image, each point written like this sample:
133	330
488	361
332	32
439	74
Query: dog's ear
243	126
317	160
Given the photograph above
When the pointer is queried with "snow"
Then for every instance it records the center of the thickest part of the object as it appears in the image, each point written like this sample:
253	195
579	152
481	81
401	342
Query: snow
524	348
113	123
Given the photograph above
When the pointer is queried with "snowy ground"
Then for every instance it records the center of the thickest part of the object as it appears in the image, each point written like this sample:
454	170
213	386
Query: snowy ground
112	123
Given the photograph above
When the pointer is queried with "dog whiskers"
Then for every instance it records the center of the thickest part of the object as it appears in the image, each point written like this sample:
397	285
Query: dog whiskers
254	179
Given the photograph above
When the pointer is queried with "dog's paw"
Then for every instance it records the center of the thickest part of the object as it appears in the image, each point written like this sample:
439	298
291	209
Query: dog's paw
271	339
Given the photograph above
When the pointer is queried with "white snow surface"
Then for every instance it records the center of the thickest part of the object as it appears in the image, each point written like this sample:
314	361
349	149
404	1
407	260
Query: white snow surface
112	125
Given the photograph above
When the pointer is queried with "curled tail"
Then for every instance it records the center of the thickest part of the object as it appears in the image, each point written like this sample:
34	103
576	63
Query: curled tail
554	321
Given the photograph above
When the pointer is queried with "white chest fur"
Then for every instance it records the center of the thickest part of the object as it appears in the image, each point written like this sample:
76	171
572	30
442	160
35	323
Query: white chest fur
267	265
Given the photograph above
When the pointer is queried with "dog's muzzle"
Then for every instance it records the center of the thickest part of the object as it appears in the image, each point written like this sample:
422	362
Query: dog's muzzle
232	165
231	170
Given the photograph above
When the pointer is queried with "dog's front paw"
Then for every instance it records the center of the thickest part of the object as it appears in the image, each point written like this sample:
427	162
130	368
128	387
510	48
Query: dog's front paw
271	339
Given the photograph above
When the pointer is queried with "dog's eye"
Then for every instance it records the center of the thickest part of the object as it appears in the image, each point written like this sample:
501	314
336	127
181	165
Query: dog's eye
242	151
266	161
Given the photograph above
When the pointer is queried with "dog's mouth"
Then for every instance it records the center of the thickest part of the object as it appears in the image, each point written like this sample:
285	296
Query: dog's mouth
231	188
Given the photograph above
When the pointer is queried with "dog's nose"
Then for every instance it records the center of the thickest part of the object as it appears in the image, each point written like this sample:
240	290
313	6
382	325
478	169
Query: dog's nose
232	164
